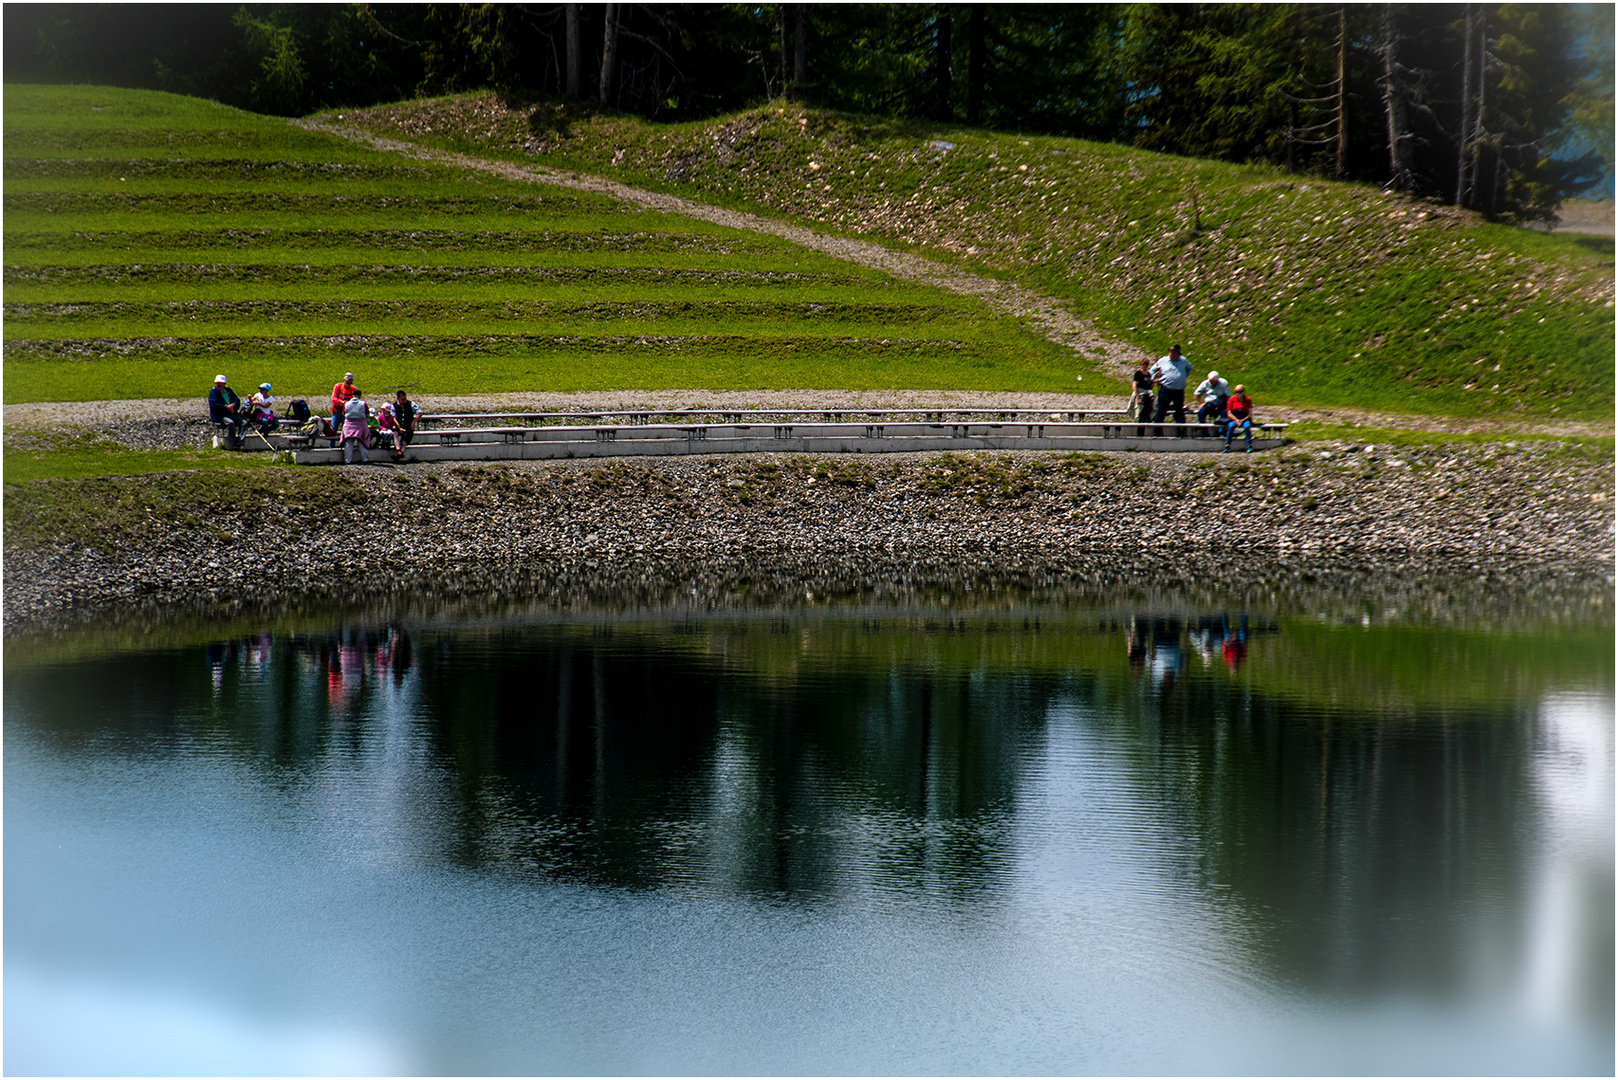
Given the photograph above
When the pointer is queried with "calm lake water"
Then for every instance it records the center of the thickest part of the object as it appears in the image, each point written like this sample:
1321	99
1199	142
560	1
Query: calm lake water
967	838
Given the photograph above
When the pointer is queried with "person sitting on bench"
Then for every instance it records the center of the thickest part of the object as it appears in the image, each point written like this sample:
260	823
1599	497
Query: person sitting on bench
225	410
1239	414
1214	392
262	406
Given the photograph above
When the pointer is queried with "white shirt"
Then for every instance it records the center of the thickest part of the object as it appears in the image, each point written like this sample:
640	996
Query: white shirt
1213	391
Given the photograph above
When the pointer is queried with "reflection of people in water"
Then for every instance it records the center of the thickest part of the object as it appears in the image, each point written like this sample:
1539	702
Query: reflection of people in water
1135	646
1157	641
1235	647
1167	659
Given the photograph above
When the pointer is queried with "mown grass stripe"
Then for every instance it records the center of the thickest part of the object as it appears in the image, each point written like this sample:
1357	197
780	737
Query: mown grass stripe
156	249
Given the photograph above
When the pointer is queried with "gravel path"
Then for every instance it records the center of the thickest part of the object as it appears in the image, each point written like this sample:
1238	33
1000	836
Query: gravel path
1052	318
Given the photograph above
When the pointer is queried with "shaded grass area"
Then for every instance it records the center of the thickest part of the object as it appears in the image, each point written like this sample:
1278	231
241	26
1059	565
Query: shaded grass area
121	511
1309	291
69	456
152	241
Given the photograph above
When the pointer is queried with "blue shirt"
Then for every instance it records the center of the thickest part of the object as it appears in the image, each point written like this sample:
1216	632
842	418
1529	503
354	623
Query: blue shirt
1172	374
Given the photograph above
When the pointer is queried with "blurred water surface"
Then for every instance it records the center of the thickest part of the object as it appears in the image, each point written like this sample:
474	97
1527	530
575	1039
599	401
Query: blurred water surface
959	838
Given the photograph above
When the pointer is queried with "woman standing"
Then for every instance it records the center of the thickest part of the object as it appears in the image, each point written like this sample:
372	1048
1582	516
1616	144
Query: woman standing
1140	402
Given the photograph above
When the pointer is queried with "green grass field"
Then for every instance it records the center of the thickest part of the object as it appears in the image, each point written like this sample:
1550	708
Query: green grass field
1311	291
153	241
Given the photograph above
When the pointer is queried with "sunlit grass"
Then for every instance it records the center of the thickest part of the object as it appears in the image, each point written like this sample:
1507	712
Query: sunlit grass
129	275
1311	291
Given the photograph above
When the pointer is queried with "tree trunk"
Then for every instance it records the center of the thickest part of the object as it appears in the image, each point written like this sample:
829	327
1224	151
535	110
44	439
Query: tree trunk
781	35
575	77
941	50
609	54
1469	93
974	65
800	46
1292	137
1393	100
1342	93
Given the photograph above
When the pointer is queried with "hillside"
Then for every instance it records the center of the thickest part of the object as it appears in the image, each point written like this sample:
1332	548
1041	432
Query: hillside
1317	292
152	241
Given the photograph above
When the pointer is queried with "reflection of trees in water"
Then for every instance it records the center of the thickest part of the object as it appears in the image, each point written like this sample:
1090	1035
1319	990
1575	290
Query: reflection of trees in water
623	762
1361	849
1360	843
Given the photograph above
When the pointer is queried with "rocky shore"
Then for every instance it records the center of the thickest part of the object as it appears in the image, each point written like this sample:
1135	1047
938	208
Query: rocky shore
1485	517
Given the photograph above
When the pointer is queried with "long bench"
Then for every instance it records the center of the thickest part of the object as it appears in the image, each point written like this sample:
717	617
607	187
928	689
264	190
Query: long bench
1033	431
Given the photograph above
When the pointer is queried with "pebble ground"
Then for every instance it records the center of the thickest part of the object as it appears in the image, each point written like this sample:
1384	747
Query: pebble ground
1531	514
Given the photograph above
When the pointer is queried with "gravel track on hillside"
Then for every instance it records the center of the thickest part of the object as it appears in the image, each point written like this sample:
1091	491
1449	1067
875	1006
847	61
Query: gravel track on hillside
1050	317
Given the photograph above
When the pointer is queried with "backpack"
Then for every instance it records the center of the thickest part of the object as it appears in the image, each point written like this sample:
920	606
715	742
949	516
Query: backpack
298	410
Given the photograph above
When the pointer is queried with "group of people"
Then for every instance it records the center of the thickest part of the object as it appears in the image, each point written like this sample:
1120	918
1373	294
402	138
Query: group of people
228	410
355	426
1163	384
352	424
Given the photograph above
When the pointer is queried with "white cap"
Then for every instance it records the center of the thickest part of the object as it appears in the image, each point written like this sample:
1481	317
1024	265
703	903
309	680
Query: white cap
220	378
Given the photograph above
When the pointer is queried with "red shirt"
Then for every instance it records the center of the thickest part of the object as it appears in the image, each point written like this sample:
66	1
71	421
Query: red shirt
340	394
1239	407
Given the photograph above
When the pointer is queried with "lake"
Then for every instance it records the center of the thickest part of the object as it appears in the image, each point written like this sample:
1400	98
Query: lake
971	833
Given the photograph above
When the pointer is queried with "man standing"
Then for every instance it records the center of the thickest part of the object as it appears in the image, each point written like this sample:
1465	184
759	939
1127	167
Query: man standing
1171	373
339	398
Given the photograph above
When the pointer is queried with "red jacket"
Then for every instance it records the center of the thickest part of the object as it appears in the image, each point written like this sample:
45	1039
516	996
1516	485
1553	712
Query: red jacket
1239	407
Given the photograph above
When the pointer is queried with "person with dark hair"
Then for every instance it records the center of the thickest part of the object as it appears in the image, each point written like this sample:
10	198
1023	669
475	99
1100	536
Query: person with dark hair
1140	402
405	415
339	398
1171	373
356	429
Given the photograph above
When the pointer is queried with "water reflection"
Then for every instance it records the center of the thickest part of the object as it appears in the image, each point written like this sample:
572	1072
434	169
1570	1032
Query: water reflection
1323	812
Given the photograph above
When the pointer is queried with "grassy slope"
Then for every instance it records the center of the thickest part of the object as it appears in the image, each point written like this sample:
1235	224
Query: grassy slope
152	241
1311	291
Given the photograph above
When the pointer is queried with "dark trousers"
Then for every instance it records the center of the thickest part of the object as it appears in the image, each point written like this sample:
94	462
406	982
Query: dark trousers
1170	401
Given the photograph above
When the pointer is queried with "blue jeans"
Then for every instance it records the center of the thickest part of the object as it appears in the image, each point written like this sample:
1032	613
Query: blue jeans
1246	428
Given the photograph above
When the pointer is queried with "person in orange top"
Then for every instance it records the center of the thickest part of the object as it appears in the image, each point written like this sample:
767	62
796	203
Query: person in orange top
339	397
1239	415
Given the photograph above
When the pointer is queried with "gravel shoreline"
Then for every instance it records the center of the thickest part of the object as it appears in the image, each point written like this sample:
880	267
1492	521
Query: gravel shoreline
1495	515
